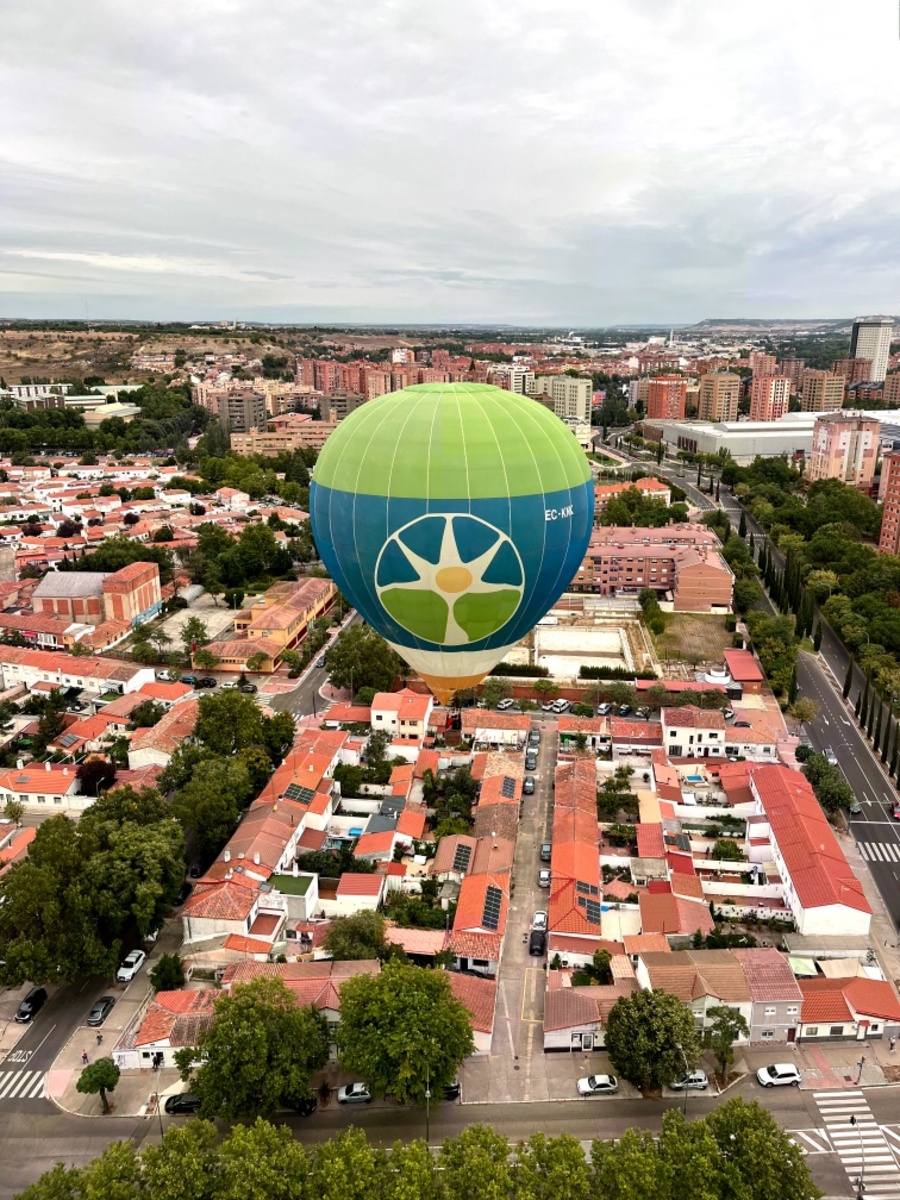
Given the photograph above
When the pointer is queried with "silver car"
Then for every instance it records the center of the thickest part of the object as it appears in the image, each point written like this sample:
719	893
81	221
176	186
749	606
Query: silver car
539	920
696	1081
598	1085
354	1093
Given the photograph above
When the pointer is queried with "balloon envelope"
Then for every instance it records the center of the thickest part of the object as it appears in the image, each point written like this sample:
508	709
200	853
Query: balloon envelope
452	516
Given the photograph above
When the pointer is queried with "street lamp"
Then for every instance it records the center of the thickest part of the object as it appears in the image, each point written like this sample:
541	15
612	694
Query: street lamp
427	1105
861	1180
687	1071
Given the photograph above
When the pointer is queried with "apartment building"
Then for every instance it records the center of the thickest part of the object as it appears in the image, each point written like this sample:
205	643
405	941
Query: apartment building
27	668
822	391
762	363
871	339
653	489
889	539
697	577
571	397
793	368
513	377
307	433
853	370
340	405
891	390
717	397
769	397
666	397
845	447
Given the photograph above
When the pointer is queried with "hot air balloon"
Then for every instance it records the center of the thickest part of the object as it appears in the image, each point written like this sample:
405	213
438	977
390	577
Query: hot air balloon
452	516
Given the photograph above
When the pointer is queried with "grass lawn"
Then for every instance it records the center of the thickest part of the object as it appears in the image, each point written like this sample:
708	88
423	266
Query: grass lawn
693	637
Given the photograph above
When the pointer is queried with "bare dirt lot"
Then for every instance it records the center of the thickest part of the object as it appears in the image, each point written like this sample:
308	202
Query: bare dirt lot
696	638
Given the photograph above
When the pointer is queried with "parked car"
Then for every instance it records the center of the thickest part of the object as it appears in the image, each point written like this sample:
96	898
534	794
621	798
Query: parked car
31	1004
895	811
624	710
183	1102
779	1075
534	736
530	761
183	892
190	680
229	683
249	689
561	705
643	712
101	1010
537	943
544	877
528	785
320	662
728	714
548	707
603	710
131	964
830	756
697	1081
164	675
742	725
452	1090
854	808
598	1085
306	1107
195	871
506	702
546	851
539	920
354	1093
207	682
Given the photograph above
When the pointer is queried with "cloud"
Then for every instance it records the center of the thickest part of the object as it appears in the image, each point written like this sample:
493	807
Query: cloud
639	160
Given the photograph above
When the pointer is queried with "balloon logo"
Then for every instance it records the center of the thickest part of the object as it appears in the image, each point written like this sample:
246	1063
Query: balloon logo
449	578
452	516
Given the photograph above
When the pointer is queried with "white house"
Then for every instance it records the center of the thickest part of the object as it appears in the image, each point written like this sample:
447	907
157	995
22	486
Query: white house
693	732
402	714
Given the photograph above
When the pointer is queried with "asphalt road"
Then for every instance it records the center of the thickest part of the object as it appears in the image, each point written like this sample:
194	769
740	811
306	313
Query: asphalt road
305	700
30	1143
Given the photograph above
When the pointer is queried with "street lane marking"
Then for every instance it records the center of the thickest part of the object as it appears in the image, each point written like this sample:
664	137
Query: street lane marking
863	1148
24	1085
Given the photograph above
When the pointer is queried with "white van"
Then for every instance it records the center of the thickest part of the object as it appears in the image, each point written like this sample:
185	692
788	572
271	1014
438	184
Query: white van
504	704
164	676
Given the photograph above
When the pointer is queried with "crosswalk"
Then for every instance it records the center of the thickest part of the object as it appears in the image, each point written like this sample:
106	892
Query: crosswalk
865	1152
880	851
22	1085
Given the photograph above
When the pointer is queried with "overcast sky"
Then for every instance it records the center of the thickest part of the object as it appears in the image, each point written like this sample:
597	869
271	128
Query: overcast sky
538	161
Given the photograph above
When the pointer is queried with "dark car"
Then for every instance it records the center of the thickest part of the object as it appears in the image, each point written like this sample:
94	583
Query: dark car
624	710
534	737
741	725
451	1091
528	785
184	1102
306	1107
249	688
195	872
546	851
31	1004
190	680
207	682
101	1010
183	892
320	662
537	943
530	762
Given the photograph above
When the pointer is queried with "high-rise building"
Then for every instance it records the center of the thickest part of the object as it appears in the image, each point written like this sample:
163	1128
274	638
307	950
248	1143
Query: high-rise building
638	390
571	396
666	397
762	363
769	397
822	391
853	370
793	368
718	395
242	410
891	391
871	339
513	377
889	541
845	447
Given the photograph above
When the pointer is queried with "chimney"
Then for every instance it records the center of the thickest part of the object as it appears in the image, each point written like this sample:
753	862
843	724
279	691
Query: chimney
256	859
226	857
46	766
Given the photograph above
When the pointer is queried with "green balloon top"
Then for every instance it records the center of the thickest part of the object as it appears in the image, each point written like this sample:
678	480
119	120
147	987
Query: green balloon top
452	441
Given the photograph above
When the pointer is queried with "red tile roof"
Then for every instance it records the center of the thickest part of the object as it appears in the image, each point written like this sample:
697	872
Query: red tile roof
470	906
352	884
818	869
408	705
650	841
412	822
689	717
742	666
478	995
823	1000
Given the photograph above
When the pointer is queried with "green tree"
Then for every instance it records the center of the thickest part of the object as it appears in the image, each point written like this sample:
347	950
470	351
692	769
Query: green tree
762	1162
14	811
496	689
476	1165
256	662
346	1166
631	1168
146	715
168	974
204	659
550	1168
185	1164
403	1030
727	850
360	936
193	633
649	1037
545	688
804	710
100	1077
360	657
257	1054
728	1024
260	1160
209	804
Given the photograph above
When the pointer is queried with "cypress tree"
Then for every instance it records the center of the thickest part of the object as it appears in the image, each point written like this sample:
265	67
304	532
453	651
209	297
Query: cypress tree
752	538
870	723
848	679
817	637
886	744
864	715
792	686
877	722
742	525
895	757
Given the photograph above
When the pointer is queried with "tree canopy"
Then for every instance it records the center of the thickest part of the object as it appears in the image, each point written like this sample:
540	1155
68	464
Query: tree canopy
652	1039
361	658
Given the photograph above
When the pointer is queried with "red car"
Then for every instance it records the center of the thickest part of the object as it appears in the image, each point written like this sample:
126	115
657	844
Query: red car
895	811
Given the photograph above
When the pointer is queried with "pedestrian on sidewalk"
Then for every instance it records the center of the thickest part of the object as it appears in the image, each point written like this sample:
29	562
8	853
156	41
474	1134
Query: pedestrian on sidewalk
84	1057
892	1043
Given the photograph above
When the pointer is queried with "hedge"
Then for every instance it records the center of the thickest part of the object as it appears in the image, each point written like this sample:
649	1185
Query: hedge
520	669
614	673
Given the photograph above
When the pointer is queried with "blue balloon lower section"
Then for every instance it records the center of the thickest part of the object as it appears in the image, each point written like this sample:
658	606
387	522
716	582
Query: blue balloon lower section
537	544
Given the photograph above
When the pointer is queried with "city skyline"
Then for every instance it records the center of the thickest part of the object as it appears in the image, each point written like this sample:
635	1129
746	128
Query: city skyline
653	164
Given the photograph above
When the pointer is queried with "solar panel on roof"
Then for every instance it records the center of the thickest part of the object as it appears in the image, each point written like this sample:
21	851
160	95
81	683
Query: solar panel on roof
582	887
22	779
302	794
493	899
462	858
508	787
68	739
593	912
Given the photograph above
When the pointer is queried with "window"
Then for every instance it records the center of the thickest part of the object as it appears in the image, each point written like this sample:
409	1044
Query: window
766	1034
770	1012
812	1031
793	1010
835	1031
57	799
480	962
